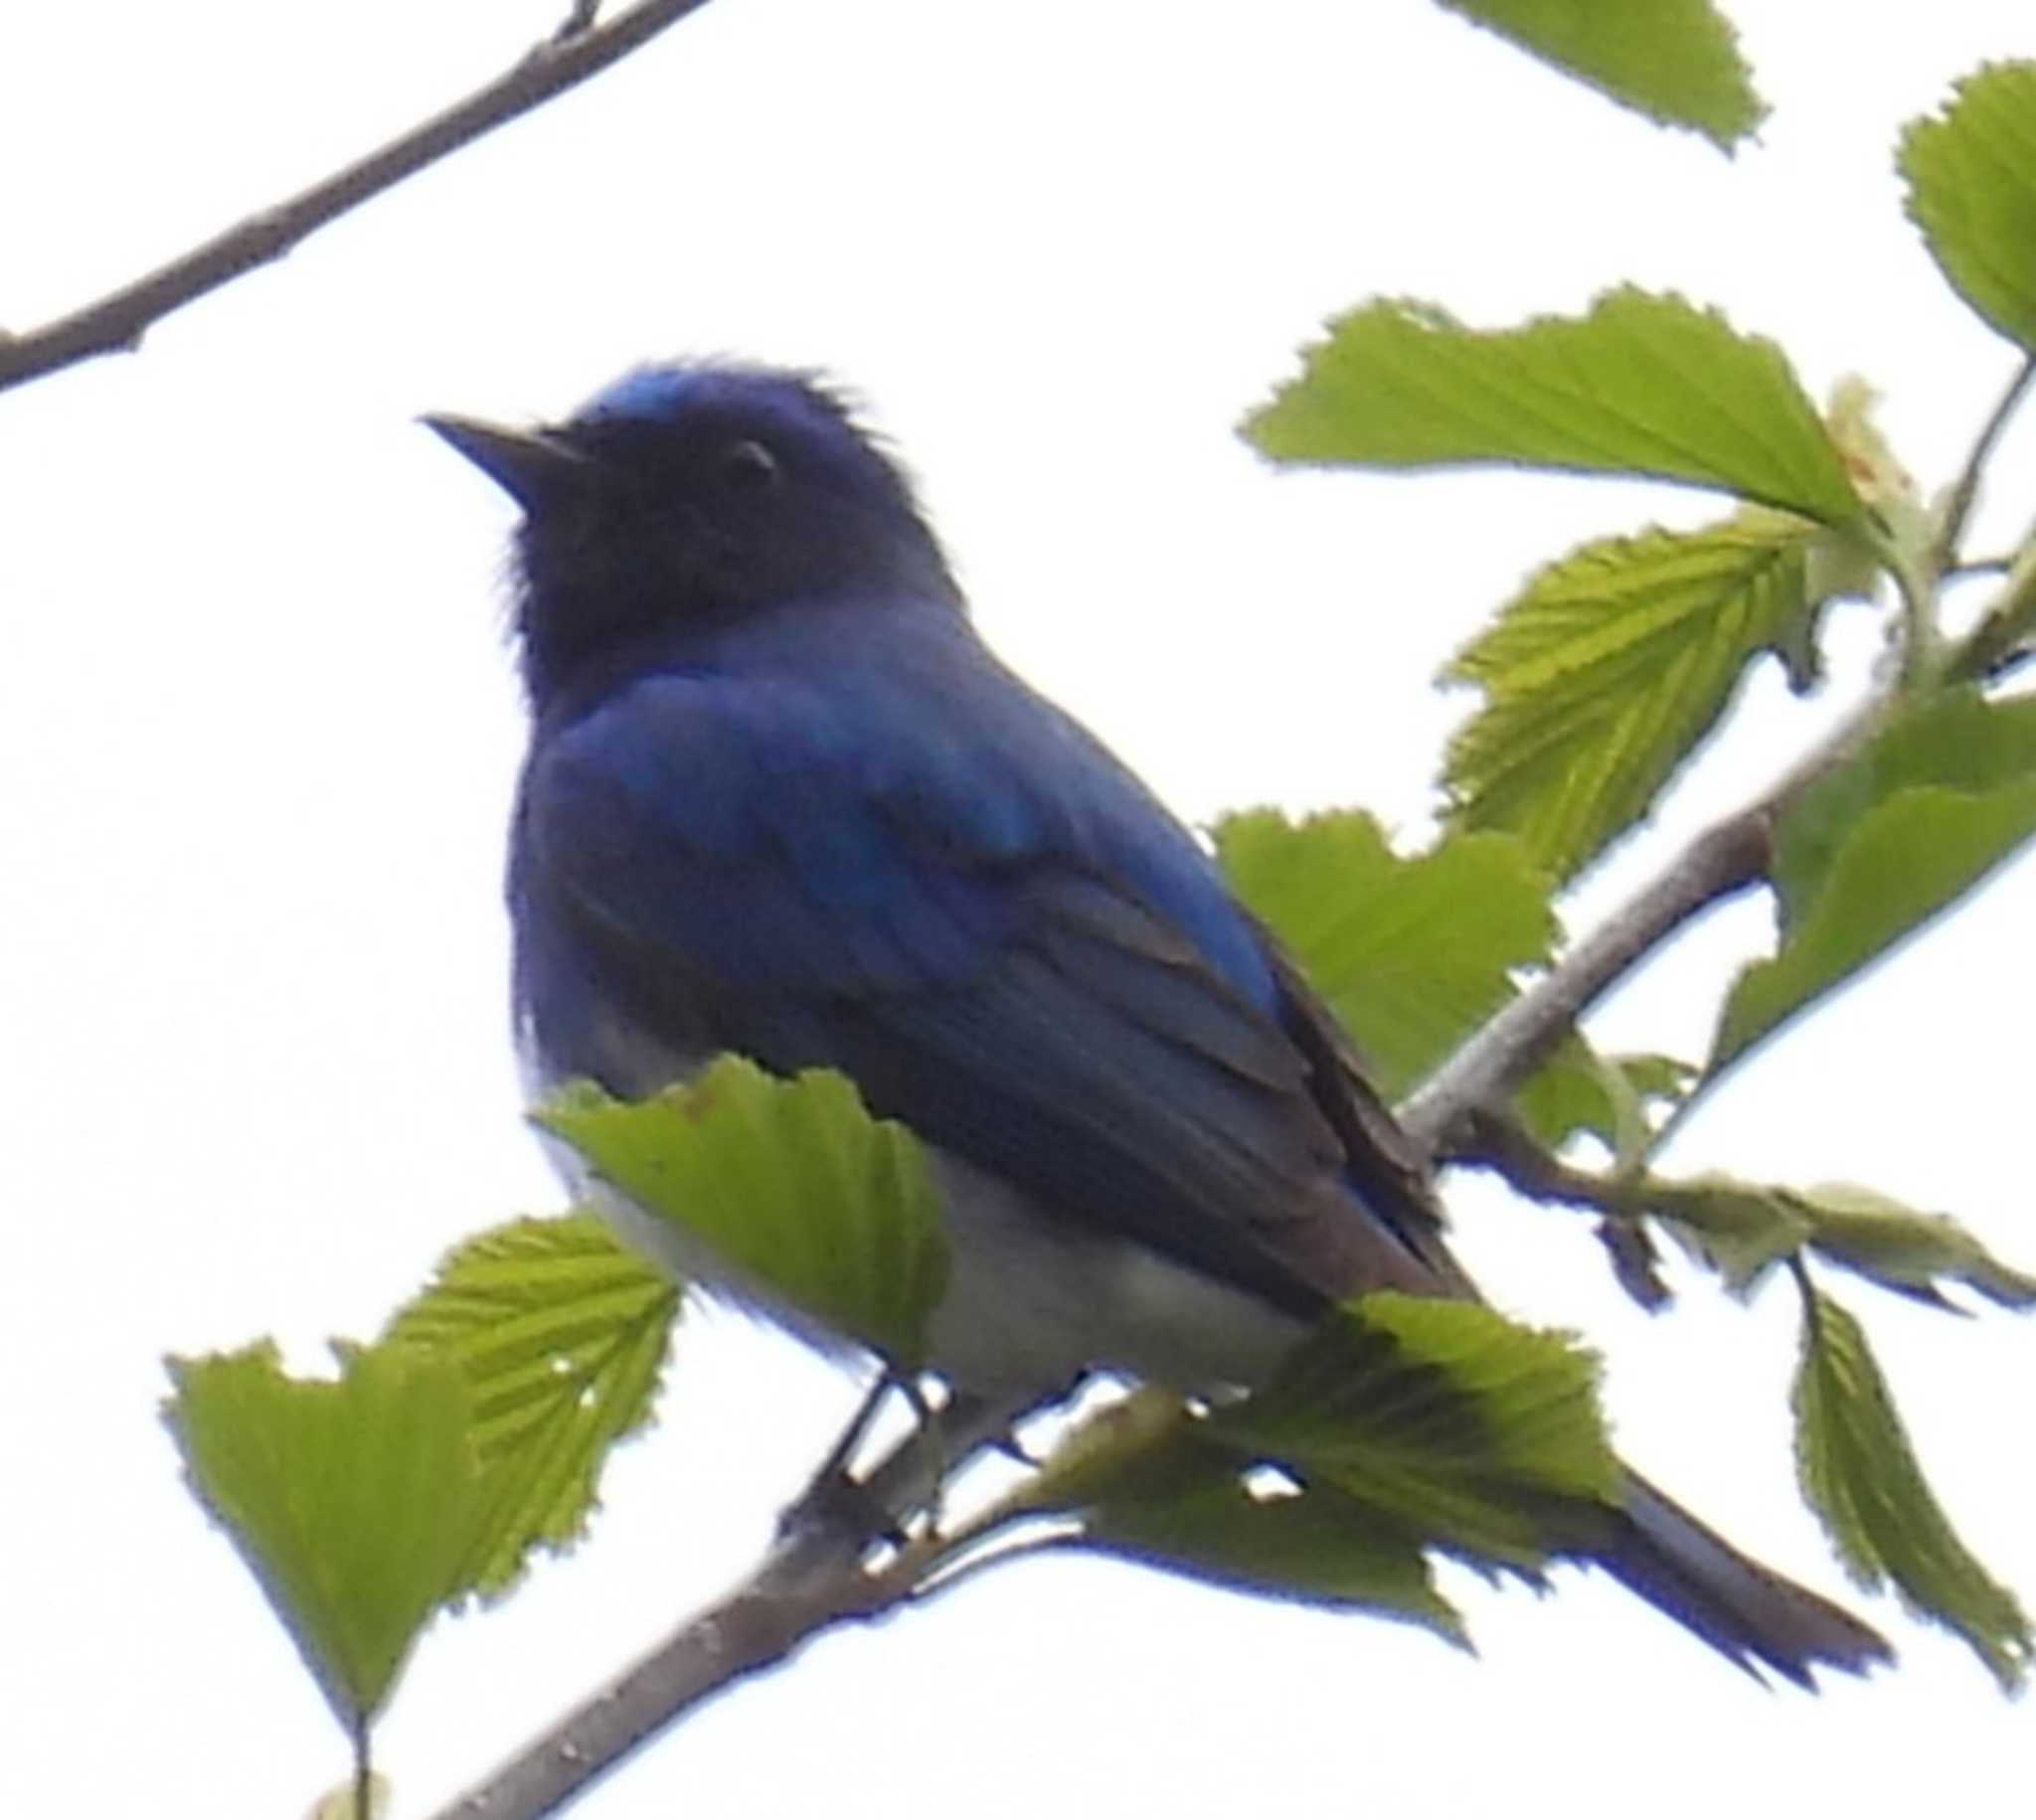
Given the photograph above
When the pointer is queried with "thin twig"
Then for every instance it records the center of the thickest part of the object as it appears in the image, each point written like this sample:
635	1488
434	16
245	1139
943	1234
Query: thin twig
117	321
1995	642
578	22
1977	567
1957	509
1495	1141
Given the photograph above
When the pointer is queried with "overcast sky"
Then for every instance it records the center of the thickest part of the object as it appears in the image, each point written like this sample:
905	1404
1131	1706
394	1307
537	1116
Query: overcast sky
259	730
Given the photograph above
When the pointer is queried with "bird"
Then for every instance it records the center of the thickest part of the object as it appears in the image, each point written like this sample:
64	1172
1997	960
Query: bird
780	800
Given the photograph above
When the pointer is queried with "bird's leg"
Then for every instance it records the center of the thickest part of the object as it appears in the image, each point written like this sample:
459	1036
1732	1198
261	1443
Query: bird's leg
834	1497
907	1479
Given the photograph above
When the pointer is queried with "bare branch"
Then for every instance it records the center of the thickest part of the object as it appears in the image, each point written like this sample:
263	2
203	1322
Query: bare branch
117	321
755	1626
815	1577
1723	860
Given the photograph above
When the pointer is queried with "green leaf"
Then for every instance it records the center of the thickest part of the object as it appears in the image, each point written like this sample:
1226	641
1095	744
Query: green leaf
1958	741
1642	385
1410	953
1933	804
1971	176
821	1206
354	1502
1607	670
1407	1423
1610	1098
1676	61
1414	953
559	1334
1740	1229
1317	1544
1905	1251
1479	1436
1908	860
1151	1483
1861	1477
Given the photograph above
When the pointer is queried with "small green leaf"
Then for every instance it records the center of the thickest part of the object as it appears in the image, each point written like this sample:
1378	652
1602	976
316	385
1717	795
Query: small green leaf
1148	1444
1958	741
1861	1477
1150	1482
1909	858
560	1333
1971	176
1407	1423
1610	1098
1676	61
1905	1251
1609	669
1642	385
1410	953
1479	1436
822	1207
1740	1229
1315	1544
353	1501
1414	954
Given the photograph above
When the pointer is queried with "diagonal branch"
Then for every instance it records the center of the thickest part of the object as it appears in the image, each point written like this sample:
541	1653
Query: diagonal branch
814	1578
117	322
1724	860
1721	861
755	1627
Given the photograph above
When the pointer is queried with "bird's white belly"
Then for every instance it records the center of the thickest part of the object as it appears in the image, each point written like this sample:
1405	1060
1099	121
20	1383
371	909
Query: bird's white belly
1034	1297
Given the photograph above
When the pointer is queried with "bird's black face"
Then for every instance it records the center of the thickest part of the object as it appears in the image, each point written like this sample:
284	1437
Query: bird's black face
686	495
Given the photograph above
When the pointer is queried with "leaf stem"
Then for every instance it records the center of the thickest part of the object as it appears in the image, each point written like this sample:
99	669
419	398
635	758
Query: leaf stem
2008	621
1964	493
364	1769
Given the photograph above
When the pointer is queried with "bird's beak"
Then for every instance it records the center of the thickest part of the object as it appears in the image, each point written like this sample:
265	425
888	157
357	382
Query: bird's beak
533	468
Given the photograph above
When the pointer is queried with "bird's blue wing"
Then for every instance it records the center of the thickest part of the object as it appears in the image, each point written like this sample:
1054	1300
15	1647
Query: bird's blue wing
961	901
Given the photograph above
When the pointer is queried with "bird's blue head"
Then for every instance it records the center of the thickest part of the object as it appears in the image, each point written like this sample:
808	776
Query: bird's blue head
687	495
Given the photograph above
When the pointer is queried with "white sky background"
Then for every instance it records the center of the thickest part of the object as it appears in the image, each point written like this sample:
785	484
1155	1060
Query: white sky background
259	731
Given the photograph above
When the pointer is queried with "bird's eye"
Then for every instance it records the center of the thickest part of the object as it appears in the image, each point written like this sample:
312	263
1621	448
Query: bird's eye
748	467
